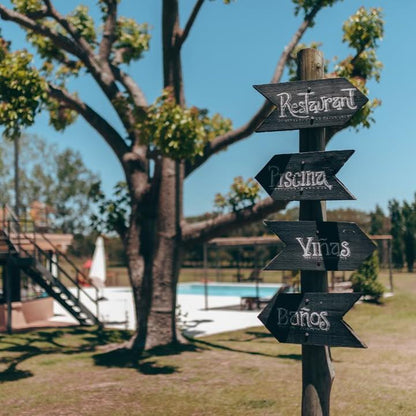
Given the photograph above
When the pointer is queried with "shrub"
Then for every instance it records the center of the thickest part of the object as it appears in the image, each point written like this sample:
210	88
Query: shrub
364	280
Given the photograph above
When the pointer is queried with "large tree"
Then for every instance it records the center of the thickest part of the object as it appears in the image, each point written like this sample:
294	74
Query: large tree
158	145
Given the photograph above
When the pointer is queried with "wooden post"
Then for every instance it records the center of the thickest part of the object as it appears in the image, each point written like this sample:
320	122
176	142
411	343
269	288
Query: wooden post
16	176
317	370
390	265
9	272
205	249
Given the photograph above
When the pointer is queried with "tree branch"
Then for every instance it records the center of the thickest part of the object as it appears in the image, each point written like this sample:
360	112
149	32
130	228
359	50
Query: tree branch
67	25
40	14
108	32
205	230
100	124
227	139
197	7
58	39
101	71
172	64
131	86
80	48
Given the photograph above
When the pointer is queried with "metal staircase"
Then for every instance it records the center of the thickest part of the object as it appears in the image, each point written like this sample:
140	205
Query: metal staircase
21	248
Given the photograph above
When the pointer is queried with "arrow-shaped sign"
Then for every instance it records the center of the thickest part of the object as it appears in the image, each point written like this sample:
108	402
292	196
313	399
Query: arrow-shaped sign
306	104
311	318
305	176
319	245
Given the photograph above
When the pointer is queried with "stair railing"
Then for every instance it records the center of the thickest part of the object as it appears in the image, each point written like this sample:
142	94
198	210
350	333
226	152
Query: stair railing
17	229
78	274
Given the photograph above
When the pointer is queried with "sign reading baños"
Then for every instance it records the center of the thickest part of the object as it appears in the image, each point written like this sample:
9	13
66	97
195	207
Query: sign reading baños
311	318
306	104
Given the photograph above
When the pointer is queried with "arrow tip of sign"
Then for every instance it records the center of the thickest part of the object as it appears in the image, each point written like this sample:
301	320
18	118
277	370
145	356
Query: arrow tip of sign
258	88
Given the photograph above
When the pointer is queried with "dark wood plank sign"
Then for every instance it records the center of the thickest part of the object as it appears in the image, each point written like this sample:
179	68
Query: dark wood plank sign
319	245
309	104
311	319
305	176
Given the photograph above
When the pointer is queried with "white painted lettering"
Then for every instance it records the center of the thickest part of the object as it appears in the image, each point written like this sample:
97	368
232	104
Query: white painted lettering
274	175
324	323
305	247
303	318
297	179
306	106
282	316
316	249
345	252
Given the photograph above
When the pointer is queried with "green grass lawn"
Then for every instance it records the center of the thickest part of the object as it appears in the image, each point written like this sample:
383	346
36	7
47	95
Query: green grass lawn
68	371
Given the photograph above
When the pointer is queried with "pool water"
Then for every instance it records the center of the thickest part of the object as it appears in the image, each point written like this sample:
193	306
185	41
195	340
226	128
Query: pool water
218	289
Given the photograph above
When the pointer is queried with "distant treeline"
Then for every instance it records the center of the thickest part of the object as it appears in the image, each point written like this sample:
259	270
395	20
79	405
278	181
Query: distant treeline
83	248
403	230
400	222
257	257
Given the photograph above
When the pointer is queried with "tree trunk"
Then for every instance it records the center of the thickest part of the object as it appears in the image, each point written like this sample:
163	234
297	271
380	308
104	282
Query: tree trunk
155	256
139	247
168	257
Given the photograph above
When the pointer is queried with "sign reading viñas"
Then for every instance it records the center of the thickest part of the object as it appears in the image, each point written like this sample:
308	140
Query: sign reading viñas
319	245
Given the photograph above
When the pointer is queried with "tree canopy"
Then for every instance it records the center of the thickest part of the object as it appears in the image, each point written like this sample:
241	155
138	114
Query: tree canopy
56	178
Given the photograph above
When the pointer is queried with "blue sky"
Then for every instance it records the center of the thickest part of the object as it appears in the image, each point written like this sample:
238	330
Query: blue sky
233	47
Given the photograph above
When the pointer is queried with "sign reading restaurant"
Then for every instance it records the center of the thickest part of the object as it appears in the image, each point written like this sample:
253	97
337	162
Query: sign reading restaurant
306	104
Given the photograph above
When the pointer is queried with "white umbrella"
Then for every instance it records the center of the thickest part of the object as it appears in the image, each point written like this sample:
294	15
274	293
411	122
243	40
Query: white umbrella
98	267
54	265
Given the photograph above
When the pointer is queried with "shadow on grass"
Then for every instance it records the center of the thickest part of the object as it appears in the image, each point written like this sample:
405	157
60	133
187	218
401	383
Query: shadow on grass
259	335
249	336
232	349
253	336
18	348
123	358
297	357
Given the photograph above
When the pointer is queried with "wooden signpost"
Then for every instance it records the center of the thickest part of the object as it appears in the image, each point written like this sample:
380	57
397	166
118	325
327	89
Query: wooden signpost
311	319
313	246
305	176
319	245
306	104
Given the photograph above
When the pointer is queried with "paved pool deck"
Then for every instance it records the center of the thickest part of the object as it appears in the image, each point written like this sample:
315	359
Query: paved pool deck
223	313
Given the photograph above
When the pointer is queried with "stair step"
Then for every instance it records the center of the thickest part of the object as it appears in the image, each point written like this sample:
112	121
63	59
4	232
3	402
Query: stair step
25	261
58	290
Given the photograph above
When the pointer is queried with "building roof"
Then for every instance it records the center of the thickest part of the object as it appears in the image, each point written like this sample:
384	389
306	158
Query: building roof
243	241
263	240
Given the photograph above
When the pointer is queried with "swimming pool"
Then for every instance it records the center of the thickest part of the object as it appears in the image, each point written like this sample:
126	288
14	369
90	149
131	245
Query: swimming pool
224	289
